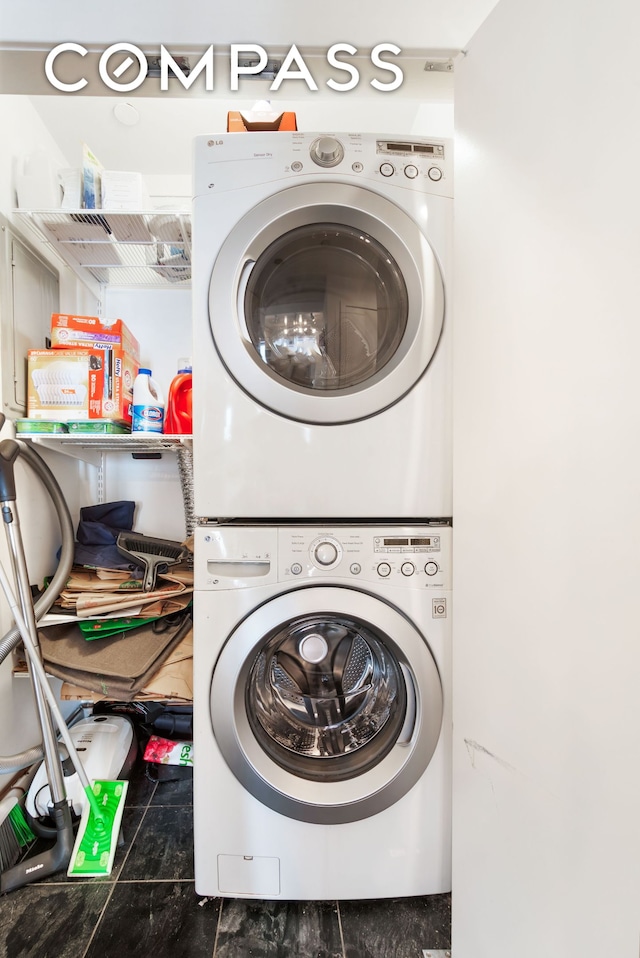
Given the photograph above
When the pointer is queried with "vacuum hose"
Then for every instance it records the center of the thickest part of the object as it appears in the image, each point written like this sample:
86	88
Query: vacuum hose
8	643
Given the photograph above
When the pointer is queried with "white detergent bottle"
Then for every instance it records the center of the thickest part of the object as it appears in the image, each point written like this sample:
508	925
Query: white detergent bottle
148	404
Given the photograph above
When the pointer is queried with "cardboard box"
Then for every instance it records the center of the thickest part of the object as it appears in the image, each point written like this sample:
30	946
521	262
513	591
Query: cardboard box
91	332
75	384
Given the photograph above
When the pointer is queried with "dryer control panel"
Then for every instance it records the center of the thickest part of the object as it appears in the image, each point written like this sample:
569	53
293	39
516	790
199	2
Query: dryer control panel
230	162
414	557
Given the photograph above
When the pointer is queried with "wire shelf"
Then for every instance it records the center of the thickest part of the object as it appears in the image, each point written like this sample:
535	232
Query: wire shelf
90	447
124	249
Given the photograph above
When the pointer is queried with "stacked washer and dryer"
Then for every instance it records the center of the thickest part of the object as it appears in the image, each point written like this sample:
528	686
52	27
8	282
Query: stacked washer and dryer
322	465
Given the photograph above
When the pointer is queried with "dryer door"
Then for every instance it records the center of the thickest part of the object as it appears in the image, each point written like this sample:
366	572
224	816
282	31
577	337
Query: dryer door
327	704
326	303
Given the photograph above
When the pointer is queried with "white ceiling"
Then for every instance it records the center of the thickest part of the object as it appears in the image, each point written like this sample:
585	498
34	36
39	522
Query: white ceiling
159	144
412	24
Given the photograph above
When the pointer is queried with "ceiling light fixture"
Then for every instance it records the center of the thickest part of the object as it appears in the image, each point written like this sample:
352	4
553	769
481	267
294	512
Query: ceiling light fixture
126	113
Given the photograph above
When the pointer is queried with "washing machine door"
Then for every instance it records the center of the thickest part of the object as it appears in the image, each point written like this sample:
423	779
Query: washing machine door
326	303
327	704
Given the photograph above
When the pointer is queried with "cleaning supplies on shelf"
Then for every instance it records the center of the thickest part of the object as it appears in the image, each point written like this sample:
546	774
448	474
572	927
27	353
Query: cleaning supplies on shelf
178	415
148	403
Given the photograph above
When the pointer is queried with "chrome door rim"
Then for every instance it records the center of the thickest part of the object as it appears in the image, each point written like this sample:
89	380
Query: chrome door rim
299	798
352	206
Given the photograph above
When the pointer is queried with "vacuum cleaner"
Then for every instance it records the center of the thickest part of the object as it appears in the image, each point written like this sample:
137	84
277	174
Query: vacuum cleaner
94	846
108	748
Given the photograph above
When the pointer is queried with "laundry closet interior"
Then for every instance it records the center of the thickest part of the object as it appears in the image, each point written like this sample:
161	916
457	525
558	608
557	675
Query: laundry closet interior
384	489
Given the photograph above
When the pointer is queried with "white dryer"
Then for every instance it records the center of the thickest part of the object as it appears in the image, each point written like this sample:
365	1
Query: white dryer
321	326
322	711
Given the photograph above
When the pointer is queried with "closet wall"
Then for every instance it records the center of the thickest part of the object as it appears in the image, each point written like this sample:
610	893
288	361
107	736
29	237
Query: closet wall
547	472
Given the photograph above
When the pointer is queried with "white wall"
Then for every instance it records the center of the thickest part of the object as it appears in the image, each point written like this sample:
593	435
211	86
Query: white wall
29	134
547	480
18	727
161	321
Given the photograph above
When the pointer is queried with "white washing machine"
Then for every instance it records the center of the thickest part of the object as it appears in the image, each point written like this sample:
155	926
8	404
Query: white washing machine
322	711
321	326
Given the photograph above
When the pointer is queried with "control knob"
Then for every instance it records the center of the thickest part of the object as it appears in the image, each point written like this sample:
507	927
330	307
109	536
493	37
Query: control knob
325	553
326	151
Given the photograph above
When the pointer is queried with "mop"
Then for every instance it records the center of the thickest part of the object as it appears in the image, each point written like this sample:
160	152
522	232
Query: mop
95	845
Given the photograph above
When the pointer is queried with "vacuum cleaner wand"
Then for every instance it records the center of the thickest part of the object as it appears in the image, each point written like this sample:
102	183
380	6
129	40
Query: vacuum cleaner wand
25	620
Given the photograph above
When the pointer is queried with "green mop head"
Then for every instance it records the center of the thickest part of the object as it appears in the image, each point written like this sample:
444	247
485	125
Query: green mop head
95	845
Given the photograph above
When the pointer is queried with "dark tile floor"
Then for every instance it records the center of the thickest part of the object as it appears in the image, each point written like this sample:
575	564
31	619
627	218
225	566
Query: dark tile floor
148	905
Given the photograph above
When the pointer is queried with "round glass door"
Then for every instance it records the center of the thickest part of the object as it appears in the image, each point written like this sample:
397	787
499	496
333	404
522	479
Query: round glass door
326	307
326	699
326	704
326	303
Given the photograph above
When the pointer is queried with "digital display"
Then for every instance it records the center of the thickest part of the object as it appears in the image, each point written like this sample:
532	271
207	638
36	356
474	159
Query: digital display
421	542
429	149
396	542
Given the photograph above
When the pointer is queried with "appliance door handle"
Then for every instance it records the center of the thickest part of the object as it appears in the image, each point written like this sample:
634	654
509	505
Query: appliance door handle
245	273
409	726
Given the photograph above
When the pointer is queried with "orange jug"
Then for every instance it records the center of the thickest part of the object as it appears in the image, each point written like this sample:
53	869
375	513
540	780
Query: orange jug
178	419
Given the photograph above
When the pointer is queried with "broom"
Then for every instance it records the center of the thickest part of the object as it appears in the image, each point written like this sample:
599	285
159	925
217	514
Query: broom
15	831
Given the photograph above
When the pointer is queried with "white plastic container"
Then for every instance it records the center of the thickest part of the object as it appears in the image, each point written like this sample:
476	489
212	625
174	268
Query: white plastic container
37	182
148	404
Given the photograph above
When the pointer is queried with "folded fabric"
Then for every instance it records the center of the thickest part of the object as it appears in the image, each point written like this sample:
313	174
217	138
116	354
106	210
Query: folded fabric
100	524
117	667
103	556
97	532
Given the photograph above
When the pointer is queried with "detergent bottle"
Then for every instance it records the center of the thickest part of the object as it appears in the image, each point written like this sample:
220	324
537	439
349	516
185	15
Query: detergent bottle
179	420
148	403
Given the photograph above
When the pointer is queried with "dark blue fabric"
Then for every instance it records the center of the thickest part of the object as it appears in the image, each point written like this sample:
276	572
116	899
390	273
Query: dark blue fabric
97	533
100	525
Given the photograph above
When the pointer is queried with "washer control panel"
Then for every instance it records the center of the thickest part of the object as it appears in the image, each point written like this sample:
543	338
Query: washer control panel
416	557
232	557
